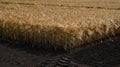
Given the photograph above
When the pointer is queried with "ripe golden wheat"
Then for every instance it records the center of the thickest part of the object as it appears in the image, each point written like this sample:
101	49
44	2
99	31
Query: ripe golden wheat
57	36
57	27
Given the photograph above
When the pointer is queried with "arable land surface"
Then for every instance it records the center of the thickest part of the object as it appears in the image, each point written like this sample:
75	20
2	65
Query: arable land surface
103	53
88	30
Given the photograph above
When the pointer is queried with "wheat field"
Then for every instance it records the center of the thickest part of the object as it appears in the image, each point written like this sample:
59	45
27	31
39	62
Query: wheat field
63	24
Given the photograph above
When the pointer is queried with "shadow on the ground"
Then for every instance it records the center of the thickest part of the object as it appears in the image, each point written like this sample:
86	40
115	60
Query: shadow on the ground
105	53
30	49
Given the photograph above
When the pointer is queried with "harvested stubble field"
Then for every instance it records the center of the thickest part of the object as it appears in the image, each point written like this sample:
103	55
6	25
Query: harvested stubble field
59	24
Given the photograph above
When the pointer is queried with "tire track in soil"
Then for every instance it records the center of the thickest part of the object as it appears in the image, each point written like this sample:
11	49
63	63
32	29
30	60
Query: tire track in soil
87	7
21	55
17	3
104	54
61	5
62	61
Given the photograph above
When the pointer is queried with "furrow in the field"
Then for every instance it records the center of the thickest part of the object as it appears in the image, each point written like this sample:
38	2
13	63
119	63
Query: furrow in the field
22	3
62	5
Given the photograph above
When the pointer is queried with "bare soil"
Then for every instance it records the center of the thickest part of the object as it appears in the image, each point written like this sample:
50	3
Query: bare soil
104	53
